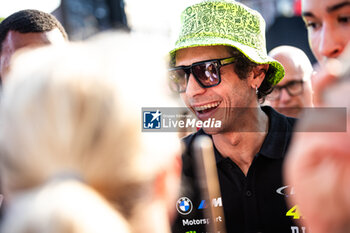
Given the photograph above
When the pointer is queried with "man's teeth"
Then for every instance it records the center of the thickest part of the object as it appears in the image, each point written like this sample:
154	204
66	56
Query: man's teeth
207	106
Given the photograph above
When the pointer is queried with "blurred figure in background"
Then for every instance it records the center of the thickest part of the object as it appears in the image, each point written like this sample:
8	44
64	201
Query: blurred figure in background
71	124
294	92
318	164
27	28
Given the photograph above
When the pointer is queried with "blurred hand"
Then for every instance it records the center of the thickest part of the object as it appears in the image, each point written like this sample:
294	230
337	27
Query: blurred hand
318	163
318	167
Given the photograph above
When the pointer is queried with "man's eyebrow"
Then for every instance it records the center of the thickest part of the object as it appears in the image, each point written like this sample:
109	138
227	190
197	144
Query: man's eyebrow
338	6
329	9
307	14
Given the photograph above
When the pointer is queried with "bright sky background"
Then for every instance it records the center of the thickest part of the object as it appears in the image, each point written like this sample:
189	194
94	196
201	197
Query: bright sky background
142	15
8	7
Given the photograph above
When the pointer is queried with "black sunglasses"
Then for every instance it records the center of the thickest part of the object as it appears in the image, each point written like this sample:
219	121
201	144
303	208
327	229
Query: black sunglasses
206	73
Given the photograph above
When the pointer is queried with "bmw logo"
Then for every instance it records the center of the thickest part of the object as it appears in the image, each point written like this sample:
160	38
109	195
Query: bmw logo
184	205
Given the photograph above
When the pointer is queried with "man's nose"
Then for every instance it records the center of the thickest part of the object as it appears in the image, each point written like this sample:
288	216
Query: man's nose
330	44
193	87
284	97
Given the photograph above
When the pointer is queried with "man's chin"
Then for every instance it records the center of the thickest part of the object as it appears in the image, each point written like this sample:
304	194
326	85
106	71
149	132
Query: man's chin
211	131
214	130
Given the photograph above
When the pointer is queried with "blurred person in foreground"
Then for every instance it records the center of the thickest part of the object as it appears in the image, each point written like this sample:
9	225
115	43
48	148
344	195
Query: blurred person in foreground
73	157
27	28
222	72
318	164
294	92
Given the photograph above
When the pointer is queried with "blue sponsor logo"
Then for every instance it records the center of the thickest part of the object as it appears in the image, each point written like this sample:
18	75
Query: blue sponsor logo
152	119
184	205
202	205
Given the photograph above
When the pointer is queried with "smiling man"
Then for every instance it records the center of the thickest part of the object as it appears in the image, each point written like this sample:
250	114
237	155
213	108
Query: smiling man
222	71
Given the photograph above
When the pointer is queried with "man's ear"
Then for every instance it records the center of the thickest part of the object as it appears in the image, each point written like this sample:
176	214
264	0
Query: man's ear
259	74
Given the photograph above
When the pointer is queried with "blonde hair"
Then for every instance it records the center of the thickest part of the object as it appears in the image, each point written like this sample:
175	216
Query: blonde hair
73	111
59	206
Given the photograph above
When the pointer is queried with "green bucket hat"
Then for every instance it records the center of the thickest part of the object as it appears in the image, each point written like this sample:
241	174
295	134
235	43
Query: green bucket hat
229	23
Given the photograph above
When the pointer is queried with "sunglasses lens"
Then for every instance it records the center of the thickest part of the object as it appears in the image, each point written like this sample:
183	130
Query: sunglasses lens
178	80
207	73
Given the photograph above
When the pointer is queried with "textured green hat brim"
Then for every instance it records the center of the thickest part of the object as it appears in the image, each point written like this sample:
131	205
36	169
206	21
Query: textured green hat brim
277	71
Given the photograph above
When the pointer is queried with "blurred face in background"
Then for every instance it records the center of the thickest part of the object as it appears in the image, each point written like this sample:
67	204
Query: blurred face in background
328	25
294	92
16	40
